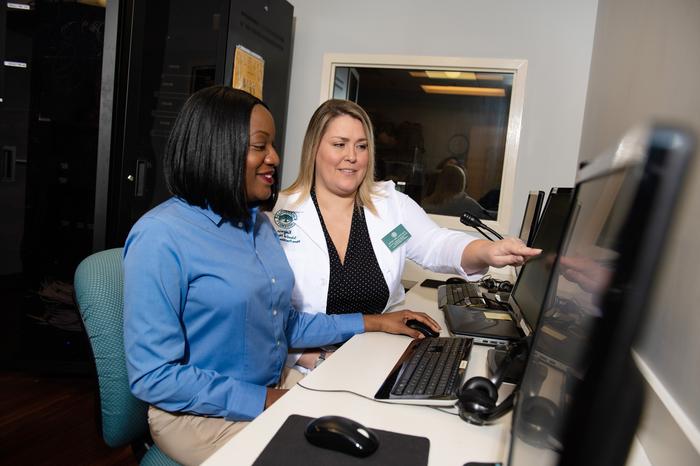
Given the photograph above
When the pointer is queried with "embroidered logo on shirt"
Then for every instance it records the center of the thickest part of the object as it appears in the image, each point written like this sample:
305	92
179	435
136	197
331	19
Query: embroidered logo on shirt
285	219
396	237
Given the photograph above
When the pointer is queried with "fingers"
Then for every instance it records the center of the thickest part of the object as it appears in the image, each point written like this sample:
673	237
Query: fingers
517	247
395	322
431	322
511	251
502	261
530	252
423	317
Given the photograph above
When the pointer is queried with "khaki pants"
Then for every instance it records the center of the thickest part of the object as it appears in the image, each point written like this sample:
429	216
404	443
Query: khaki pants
190	439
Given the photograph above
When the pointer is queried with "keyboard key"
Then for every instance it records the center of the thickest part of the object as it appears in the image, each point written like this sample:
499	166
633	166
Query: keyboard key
462	294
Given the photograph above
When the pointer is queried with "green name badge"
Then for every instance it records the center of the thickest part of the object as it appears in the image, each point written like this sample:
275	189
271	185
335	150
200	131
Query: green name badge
396	237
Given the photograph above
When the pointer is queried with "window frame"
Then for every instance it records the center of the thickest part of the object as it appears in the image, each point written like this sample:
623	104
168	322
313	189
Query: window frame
518	67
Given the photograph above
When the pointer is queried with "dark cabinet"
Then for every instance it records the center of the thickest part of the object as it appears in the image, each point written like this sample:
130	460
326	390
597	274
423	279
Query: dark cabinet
50	72
89	92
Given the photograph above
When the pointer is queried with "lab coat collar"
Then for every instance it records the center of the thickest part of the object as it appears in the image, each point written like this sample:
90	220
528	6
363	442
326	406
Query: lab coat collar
307	220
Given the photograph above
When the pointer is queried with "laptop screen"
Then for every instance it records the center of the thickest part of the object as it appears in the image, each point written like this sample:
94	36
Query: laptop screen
530	289
578	400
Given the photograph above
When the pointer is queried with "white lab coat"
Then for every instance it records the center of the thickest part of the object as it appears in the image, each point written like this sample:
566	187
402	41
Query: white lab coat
300	232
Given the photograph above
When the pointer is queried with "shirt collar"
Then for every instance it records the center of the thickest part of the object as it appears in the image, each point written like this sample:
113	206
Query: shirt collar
213	216
217	220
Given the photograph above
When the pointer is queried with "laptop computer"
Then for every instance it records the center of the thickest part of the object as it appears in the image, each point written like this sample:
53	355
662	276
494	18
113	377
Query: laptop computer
518	317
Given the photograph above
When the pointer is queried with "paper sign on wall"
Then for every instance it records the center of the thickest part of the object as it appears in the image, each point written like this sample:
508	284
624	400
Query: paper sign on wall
248	71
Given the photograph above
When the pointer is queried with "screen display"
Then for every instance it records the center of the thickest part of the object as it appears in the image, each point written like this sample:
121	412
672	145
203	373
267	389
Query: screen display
529	291
559	356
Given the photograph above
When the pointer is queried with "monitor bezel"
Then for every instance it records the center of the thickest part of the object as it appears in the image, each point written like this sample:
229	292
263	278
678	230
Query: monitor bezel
660	155
526	326
534	205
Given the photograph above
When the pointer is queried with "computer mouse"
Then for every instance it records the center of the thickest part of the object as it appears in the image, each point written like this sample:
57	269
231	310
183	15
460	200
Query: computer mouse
341	434
455	280
422	328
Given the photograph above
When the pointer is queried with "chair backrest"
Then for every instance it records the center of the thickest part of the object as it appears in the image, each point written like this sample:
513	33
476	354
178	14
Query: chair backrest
99	284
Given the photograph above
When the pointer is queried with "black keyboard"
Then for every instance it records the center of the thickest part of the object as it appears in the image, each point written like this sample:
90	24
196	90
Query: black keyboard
461	294
434	369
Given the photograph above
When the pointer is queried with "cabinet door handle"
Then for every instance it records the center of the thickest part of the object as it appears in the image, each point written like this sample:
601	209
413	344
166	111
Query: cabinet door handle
140	182
8	164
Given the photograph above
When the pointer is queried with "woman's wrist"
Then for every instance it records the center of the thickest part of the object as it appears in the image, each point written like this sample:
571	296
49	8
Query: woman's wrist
475	256
372	323
320	359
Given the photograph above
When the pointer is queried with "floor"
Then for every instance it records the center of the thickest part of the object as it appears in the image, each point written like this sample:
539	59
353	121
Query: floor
48	395
51	420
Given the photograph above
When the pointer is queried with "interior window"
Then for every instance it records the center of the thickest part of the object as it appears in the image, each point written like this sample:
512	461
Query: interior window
440	134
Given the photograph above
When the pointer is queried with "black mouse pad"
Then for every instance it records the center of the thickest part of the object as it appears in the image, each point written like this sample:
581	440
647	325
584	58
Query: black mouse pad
289	447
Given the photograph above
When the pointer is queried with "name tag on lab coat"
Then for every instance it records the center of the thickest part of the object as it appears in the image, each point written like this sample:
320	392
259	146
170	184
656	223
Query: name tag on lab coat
396	237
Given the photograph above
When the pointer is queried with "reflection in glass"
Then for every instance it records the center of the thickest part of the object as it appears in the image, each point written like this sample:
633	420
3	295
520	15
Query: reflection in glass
441	132
449	195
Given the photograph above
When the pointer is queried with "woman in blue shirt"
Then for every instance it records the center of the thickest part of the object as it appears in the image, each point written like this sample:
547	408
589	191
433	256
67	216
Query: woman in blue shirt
208	317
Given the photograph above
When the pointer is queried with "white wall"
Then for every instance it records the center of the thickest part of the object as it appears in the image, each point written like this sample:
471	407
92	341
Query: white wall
646	64
555	36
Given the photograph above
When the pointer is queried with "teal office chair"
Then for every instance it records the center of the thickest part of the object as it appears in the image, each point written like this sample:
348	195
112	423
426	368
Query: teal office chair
99	284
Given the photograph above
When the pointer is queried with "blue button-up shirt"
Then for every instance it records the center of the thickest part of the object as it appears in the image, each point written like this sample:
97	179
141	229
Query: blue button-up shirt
207	312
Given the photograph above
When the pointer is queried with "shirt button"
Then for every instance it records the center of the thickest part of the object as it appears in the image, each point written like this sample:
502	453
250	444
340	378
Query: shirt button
274	312
273	280
240	224
278	342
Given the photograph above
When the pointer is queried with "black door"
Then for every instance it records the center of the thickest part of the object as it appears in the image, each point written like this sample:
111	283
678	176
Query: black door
170	49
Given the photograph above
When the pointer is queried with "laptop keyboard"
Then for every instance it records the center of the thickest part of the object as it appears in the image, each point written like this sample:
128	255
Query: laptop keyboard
464	294
434	369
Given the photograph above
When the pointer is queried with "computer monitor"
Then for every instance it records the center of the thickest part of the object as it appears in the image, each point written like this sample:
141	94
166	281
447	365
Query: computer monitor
531	216
528	294
581	394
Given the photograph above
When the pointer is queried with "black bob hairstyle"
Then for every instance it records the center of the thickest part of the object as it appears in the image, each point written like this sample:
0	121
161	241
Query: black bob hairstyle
205	157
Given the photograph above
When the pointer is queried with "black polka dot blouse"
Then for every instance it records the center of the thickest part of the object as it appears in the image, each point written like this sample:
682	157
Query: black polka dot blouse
357	285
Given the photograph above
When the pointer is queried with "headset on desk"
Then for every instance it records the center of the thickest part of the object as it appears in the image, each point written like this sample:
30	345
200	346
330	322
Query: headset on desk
478	397
494	285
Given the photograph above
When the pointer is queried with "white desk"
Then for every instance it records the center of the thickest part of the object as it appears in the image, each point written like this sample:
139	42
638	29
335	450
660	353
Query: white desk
360	366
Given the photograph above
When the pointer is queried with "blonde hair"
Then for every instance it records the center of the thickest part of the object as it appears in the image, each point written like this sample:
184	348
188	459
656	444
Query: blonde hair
312	140
450	181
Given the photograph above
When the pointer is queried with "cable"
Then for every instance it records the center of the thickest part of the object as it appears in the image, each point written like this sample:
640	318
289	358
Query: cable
473	221
483	233
438	408
491	230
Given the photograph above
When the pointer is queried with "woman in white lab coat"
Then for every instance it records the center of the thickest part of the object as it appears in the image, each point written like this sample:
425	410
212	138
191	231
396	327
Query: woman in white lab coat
347	236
